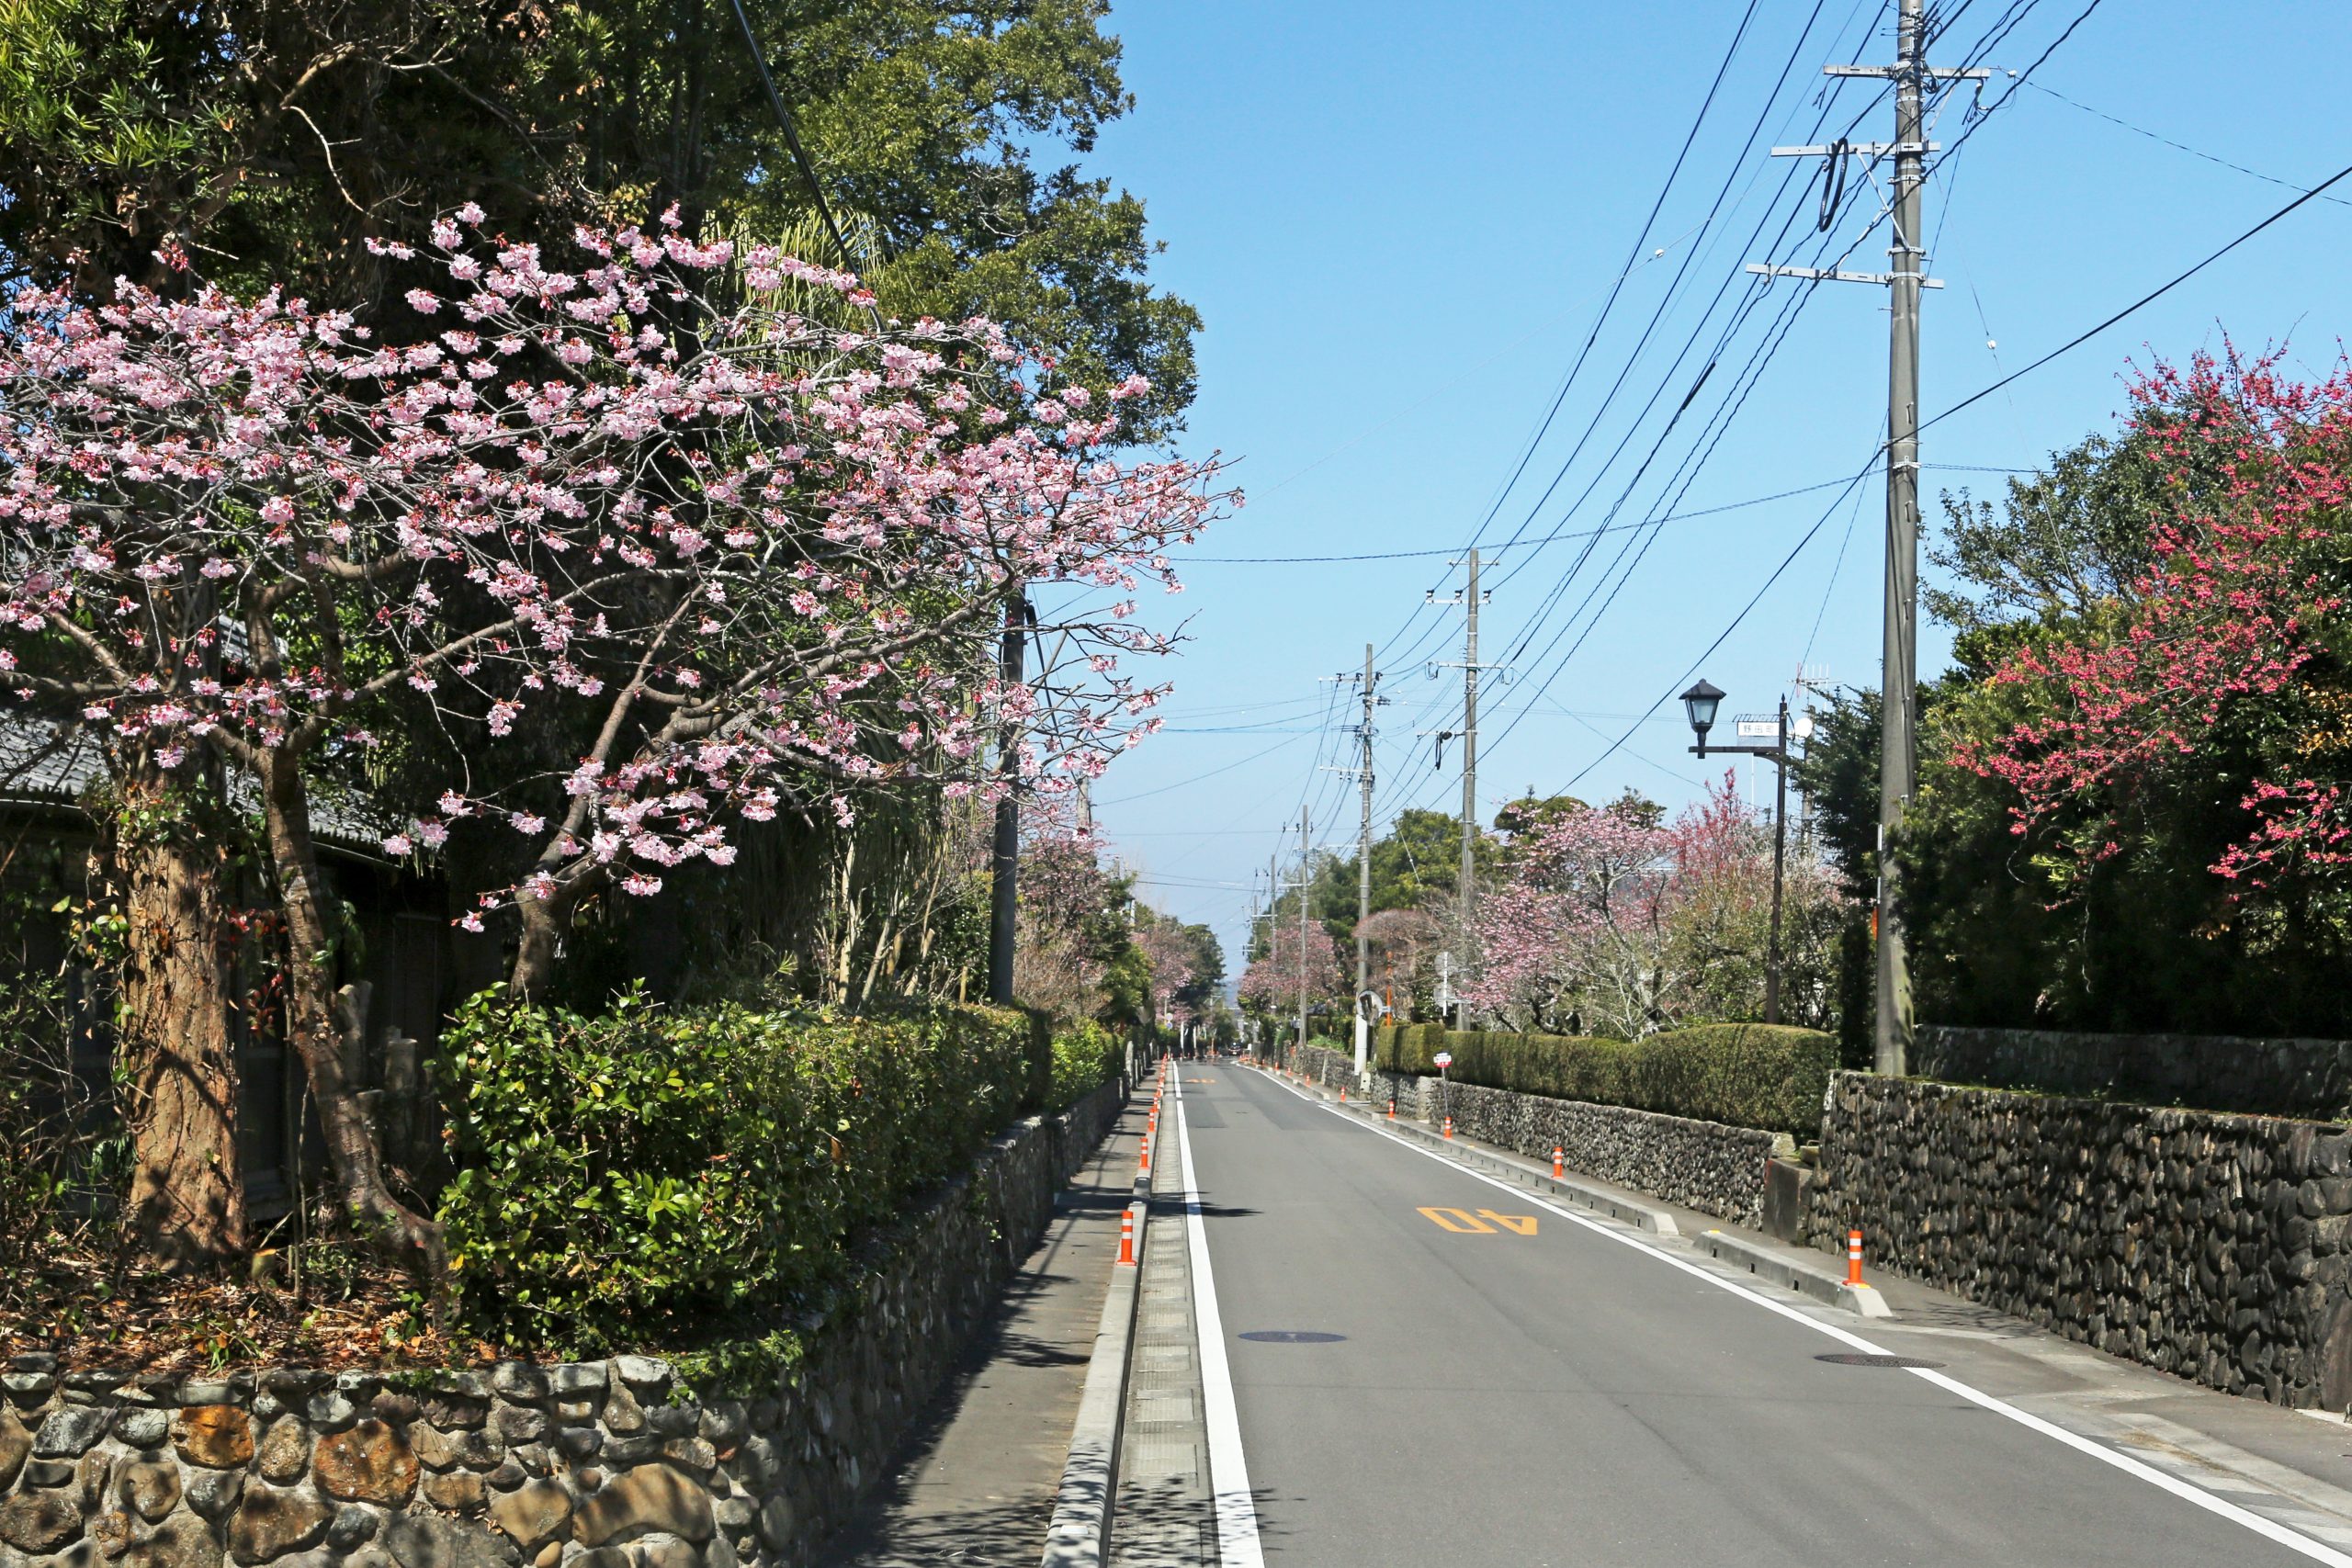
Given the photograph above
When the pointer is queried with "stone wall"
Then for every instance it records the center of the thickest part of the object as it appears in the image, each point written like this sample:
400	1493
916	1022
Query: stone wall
595	1465
1705	1166
2212	1072
2214	1247
1700	1165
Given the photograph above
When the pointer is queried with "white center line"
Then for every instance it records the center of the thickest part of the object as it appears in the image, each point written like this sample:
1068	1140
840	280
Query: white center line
1237	1512
2292	1540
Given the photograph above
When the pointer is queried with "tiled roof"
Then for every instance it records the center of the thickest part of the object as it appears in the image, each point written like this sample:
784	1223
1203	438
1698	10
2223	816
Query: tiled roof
46	764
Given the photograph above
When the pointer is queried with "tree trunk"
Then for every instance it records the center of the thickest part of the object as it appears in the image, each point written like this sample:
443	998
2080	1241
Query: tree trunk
186	1204
312	1029
535	956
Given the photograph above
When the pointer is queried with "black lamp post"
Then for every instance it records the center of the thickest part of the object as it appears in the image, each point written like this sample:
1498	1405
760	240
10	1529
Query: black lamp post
1700	702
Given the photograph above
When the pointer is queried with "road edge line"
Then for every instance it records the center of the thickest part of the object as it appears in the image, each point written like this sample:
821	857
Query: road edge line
1236	1510
1080	1531
2270	1529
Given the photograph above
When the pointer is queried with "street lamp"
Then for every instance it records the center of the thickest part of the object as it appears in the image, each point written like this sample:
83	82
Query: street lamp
1700	702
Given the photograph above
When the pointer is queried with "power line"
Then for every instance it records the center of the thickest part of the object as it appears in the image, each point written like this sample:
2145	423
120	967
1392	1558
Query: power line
2168	141
1580	533
1197	778
2147	299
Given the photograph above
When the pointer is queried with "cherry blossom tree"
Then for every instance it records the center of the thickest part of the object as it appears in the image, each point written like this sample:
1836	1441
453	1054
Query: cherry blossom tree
1170	952
1060	959
1635	925
1273	982
1583	916
681	502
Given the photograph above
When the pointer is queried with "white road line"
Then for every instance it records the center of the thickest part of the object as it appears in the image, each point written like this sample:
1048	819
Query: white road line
2291	1540
1236	1512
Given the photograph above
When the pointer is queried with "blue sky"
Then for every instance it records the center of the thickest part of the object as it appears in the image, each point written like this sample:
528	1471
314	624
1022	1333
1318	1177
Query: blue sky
1399	222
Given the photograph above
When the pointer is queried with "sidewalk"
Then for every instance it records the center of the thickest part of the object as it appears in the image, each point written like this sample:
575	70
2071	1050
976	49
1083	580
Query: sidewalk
975	1484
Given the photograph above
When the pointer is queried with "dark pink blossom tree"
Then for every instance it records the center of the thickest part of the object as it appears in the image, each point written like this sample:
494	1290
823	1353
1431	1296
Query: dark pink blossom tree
2224	667
678	501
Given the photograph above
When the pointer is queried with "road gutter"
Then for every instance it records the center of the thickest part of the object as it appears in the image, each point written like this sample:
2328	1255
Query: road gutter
1080	1531
1769	1265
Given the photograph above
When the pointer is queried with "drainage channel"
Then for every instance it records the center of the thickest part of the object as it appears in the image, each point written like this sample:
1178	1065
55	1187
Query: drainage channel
1164	1515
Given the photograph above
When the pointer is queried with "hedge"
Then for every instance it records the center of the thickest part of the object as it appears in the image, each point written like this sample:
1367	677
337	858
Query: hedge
1749	1075
657	1175
1084	1055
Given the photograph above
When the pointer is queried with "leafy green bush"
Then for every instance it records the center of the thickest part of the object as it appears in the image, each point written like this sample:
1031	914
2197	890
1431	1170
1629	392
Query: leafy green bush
1749	1074
1086	1056
657	1175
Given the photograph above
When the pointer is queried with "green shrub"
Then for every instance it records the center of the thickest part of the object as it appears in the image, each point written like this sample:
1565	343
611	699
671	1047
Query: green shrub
1749	1075
657	1175
1086	1056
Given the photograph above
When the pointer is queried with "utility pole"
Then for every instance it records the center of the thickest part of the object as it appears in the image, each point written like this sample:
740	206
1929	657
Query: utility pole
1900	663
1004	854
1466	893
1363	865
1466	888
1304	878
1898	680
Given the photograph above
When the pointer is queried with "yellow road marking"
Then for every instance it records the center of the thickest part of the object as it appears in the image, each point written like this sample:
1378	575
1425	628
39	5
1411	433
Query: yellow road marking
1460	1221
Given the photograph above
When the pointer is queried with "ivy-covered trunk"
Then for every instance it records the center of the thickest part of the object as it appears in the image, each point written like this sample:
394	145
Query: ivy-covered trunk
365	1196
175	1045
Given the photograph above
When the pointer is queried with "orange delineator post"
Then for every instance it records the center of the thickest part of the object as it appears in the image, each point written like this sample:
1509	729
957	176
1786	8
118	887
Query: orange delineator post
1146	1169
1449	1126
1128	1236
1558	1167
1392	1108
1853	1257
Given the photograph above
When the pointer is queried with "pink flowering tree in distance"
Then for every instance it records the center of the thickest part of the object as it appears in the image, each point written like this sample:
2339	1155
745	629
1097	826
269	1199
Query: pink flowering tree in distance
1059	961
1164	945
1583	920
1274	981
682	502
1636	926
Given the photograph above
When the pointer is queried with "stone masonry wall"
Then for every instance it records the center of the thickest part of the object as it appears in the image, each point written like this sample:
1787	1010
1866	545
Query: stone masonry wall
1706	1166
2272	1078
594	1464
2213	1247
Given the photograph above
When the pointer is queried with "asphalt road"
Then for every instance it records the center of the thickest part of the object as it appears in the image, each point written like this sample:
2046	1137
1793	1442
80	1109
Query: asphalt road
1512	1387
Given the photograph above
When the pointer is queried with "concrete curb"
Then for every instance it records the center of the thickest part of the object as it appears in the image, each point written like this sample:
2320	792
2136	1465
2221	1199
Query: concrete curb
1776	1269
1658	1221
1081	1532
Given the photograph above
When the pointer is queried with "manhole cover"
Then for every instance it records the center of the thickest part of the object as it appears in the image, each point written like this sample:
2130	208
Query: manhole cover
1292	1337
1852	1359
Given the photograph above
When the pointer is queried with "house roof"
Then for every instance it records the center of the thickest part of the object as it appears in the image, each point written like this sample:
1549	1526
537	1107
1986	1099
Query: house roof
46	764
